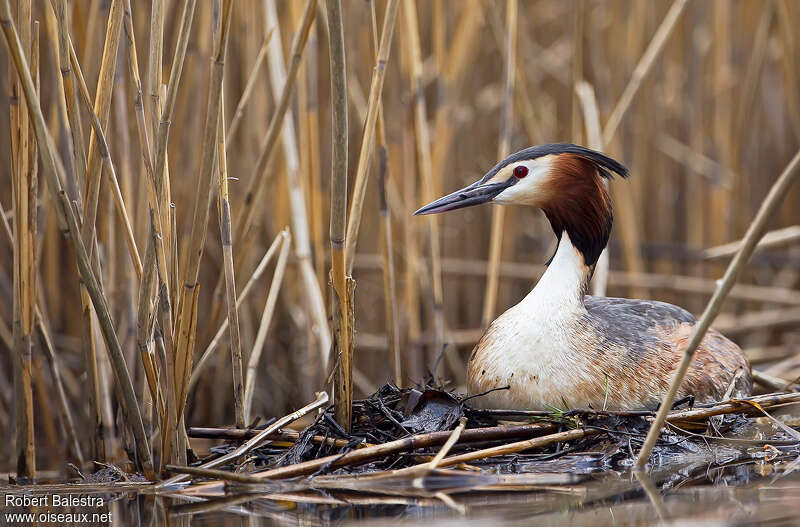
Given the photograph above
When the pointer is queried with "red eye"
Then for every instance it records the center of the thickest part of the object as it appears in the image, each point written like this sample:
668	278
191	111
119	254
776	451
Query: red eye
520	171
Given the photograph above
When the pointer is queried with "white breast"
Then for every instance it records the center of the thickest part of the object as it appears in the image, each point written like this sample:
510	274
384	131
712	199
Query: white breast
532	346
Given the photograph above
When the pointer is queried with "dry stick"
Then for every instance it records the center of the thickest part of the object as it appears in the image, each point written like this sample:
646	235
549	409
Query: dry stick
503	149
266	318
754	232
226	236
183	355
255	442
279	241
285	434
367	137
424	161
67	216
248	89
404	445
519	446
772	239
299	215
343	394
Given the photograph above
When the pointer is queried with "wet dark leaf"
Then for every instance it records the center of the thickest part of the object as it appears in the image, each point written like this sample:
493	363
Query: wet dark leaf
434	410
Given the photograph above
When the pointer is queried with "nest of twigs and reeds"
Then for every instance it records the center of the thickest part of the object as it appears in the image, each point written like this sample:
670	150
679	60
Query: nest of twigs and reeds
429	443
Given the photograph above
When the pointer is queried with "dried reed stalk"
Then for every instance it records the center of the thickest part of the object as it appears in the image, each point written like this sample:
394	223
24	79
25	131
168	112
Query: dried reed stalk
102	108
424	162
754	233
233	127
187	307
280	80
107	165
23	174
340	299
263	327
75	182
67	216
65	414
367	137
503	149
258	182
279	242
646	62
387	244
389	279
226	235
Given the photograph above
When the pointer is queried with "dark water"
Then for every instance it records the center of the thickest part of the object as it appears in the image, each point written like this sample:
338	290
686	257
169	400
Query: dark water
741	496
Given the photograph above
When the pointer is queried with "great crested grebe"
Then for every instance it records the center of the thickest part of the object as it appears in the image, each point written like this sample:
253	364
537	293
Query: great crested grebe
561	347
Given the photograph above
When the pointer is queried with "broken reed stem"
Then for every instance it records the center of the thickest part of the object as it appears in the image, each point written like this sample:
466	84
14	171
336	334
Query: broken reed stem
187	307
263	327
343	381
277	243
424	163
67	217
255	442
226	236
248	89
754	233
643	68
503	149
368	135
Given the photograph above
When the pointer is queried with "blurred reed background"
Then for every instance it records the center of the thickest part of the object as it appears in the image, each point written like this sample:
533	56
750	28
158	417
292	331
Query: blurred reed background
700	99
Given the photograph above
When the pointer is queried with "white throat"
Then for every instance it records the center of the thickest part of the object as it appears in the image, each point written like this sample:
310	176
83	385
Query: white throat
563	283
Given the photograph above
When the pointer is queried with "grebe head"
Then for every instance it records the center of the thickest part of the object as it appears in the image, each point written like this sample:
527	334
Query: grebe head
562	179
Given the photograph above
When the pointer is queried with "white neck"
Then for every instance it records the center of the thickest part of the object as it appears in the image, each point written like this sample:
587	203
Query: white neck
563	283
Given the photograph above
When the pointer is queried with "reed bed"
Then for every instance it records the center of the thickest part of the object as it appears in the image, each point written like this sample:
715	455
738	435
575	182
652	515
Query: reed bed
314	128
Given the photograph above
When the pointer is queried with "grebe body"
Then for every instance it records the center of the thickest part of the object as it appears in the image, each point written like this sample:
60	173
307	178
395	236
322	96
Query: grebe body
561	348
